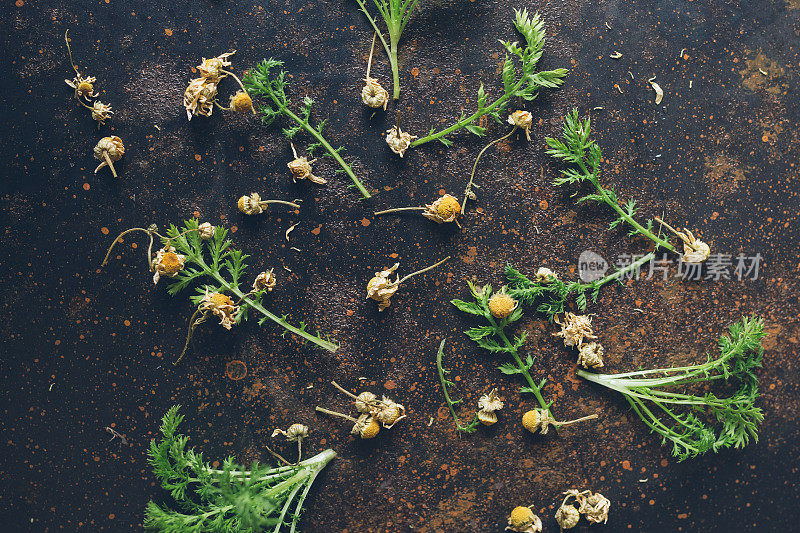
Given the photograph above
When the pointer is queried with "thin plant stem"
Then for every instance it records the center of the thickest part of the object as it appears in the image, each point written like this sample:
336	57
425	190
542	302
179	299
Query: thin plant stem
69	51
468	190
371	50
450	402
193	322
581	419
334	413
420	271
398	210
677	233
461	123
279	457
109	163
282	202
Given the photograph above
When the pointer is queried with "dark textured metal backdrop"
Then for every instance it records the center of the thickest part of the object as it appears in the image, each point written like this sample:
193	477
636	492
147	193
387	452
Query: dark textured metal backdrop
86	348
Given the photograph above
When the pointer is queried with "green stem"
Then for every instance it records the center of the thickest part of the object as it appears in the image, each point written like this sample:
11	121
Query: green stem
522	369
461	123
314	133
322	343
395	67
450	403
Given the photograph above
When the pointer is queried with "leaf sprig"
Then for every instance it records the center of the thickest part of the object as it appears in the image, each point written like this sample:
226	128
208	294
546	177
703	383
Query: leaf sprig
230	499
396	14
524	83
681	417
585	154
493	337
223	268
263	81
471	426
556	292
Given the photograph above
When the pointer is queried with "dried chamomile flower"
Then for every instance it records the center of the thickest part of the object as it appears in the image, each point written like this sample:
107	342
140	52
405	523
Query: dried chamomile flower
544	274
380	288
541	419
694	250
522	520
501	305
445	209
301	169
221	306
206	231
389	412
399	140
567	516
365	402
590	355
265	281
488	404
366	427
594	506
108	150
295	433
250	205
575	328
199	97
214	69
101	112
241	102
522	120
84	87
373	94
167	263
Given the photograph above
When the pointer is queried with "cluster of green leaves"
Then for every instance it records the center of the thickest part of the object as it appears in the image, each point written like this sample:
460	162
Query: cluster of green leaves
493	337
231	499
268	81
681	418
585	155
222	268
552	294
396	14
473	425
523	82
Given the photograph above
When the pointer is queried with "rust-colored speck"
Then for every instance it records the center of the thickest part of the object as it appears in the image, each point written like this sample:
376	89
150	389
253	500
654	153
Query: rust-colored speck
235	370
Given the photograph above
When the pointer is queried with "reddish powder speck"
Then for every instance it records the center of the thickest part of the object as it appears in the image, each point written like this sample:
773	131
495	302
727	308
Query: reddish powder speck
365	222
86	187
626	465
168	31
104	230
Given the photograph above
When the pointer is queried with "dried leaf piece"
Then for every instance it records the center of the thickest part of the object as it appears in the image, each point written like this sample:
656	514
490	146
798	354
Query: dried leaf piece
615	55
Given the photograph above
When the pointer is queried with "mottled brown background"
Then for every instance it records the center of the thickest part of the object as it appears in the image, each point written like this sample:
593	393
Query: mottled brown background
85	348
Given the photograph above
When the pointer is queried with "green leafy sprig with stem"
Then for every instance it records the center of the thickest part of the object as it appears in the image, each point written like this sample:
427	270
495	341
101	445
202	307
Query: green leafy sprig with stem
552	293
268	81
473	425
681	417
524	83
231	499
396	14
585	155
221	269
493	337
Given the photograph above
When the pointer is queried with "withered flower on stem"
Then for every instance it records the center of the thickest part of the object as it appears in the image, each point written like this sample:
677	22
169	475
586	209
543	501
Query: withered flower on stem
108	150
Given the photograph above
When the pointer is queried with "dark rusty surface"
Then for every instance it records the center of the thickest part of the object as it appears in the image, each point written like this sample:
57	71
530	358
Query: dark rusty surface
86	348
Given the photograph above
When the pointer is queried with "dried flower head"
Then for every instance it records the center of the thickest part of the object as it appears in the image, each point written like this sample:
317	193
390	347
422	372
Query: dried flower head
212	69
399	140
575	328
445	209
301	170
536	420
295	432
374	95
84	87
167	263
594	506
241	102
198	99
694	250
265	281
101	112
522	520
488	404
250	205
365	402
544	274
590	355
380	288
522	120
567	516
366	427
221	306
206	231
501	305
108	150
389	412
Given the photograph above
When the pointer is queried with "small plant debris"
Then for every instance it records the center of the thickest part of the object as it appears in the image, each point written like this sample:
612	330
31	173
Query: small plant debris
381	288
